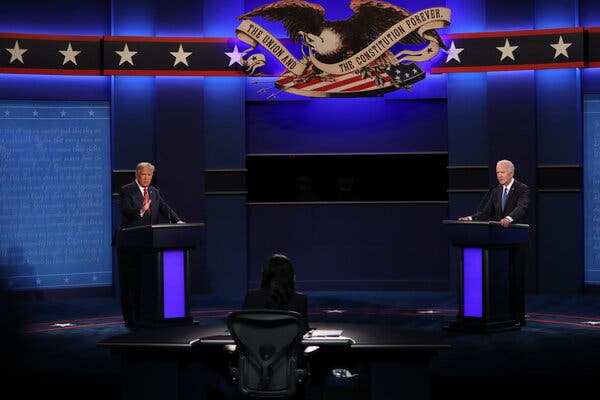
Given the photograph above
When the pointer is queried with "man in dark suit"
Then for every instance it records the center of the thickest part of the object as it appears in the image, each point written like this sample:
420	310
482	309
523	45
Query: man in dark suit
140	204
508	203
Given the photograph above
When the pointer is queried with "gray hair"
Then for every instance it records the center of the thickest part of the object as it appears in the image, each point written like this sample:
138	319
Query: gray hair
511	166
144	165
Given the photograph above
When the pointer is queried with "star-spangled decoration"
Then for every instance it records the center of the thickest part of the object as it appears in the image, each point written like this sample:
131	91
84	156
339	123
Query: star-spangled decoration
180	56
126	55
36	113
453	52
69	55
561	47
550	48
66	279
91	113
404	74
518	50
507	50
63	113
16	53
394	73
7	113
234	57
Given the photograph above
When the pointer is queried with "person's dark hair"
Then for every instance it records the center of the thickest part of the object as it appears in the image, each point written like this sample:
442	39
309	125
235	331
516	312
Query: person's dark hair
279	278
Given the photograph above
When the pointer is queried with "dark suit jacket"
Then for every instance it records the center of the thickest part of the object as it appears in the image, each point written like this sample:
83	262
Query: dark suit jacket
131	201
259	298
517	204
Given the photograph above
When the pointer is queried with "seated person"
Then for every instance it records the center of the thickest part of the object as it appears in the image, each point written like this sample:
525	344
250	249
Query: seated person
278	288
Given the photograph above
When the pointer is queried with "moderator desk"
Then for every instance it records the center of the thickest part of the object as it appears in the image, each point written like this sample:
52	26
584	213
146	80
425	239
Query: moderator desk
182	362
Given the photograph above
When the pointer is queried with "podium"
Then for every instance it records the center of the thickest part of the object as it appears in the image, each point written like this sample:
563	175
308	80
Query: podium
164	276
485	277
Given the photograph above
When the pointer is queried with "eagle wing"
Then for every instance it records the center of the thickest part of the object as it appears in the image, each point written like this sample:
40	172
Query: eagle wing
295	15
373	17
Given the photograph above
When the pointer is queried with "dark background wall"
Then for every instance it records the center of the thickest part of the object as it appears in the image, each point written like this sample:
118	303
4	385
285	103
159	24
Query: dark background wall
200	130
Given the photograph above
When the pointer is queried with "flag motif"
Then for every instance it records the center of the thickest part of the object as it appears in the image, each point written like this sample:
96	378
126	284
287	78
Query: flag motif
514	50
22	53
376	81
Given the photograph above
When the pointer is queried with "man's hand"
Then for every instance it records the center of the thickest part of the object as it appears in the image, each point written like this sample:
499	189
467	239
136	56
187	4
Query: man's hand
464	219
146	205
505	222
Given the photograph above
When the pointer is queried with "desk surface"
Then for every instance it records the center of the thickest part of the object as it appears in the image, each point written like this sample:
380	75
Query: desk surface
355	336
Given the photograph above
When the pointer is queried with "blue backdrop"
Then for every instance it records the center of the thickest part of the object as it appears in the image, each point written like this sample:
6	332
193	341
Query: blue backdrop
55	216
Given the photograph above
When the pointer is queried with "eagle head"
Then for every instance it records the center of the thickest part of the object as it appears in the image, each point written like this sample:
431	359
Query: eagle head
327	43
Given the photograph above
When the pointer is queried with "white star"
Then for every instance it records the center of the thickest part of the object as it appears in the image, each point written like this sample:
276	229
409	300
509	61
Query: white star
507	50
66	279
126	55
561	47
180	56
38	281
453	52
7	113
69	55
36	113
91	113
16	53
235	56
63	113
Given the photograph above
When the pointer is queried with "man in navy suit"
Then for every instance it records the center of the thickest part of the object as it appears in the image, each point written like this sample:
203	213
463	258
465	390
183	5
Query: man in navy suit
140	204
509	203
516	202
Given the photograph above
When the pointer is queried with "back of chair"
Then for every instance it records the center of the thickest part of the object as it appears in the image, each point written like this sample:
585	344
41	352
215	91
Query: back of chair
268	344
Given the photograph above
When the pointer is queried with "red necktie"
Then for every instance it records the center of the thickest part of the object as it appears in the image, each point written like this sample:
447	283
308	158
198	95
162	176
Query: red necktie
146	199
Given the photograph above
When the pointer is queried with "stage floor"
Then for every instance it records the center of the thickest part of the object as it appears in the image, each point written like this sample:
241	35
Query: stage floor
51	343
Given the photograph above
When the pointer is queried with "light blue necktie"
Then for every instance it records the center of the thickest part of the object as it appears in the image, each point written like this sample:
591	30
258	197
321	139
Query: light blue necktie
504	196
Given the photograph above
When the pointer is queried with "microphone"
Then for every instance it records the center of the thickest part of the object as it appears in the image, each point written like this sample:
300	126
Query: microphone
162	199
484	199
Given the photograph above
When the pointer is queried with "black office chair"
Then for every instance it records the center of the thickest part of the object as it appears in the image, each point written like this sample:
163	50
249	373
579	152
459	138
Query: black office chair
268	351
